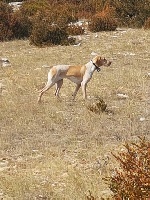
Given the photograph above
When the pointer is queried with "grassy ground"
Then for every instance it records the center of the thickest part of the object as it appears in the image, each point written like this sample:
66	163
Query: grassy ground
59	149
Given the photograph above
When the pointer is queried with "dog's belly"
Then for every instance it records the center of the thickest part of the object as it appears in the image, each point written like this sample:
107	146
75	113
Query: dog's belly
74	79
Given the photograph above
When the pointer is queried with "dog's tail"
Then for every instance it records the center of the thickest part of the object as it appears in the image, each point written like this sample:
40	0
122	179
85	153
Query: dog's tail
46	66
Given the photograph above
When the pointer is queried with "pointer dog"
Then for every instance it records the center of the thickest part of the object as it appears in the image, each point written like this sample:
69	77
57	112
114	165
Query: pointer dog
80	75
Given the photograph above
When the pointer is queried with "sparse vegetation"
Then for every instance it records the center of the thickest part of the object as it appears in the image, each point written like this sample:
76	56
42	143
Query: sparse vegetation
60	149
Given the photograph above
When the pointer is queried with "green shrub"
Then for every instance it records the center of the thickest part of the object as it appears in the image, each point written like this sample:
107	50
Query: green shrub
132	179
104	21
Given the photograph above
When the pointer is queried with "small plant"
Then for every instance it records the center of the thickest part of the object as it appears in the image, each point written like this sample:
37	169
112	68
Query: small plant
97	105
104	21
132	179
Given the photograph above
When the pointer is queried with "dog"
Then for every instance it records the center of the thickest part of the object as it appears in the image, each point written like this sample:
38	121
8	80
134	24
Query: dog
80	75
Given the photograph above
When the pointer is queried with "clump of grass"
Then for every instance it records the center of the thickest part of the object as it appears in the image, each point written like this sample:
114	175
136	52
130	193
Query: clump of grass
97	105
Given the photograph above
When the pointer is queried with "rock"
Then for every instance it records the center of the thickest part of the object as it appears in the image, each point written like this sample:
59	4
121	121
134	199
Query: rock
142	119
4	62
122	96
76	45
96	35
148	74
15	5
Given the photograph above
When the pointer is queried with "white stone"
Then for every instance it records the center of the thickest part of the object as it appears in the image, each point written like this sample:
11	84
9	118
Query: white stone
142	119
122	96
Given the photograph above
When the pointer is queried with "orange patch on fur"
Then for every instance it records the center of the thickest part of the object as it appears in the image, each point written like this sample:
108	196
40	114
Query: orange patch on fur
77	71
53	71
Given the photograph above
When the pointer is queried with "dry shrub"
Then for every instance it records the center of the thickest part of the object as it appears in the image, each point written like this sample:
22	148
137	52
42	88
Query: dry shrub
5	22
49	26
147	23
131	13
104	21
96	105
132	179
21	25
45	32
75	30
21	20
48	30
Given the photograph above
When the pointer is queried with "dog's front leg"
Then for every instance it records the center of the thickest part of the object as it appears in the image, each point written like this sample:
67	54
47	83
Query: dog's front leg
83	85
86	79
76	90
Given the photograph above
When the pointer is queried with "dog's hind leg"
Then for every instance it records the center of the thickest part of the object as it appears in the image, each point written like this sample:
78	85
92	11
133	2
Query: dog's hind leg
58	87
76	90
47	87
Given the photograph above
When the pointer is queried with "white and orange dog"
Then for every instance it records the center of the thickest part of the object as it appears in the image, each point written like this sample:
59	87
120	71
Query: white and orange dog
80	75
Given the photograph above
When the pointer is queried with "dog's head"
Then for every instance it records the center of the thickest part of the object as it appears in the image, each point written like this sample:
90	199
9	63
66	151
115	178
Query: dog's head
99	61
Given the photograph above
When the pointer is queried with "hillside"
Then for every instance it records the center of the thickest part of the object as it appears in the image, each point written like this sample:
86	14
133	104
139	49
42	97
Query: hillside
59	149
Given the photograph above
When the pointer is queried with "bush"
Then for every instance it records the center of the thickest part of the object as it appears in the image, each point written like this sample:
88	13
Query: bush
18	24
132	179
5	22
147	23
44	22
21	20
104	21
49	25
131	13
47	32
21	25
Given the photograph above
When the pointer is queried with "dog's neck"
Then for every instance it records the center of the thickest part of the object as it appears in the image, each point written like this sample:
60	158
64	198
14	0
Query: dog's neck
96	68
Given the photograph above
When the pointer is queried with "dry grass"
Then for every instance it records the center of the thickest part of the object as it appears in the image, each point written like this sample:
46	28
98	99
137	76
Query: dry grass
59	149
